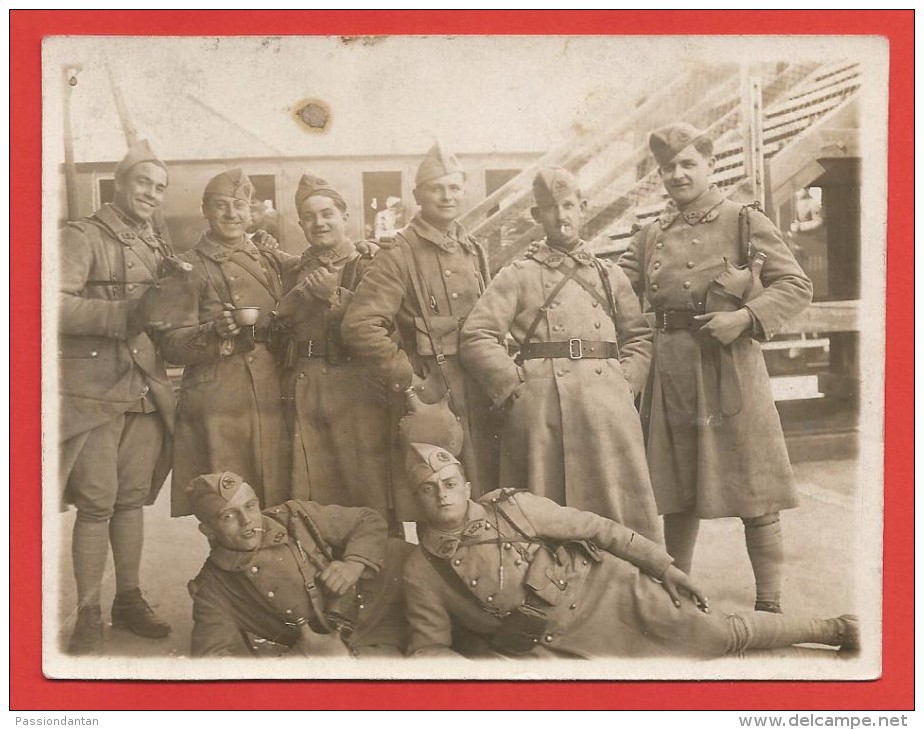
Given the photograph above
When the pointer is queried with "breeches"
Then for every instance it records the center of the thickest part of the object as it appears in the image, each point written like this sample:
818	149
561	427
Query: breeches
114	466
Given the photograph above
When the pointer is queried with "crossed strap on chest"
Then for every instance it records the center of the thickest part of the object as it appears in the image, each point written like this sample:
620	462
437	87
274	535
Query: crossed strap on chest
160	252
607	301
265	273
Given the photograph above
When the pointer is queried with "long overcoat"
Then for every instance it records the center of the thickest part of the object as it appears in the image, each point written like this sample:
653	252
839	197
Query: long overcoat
572	432
704	460
589	578
452	274
262	593
229	415
103	371
339	416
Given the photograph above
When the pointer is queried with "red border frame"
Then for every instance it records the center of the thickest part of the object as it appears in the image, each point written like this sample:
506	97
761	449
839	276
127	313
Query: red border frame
29	690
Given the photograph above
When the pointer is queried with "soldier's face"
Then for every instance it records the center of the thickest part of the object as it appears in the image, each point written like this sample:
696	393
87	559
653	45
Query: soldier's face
444	498
562	220
228	217
440	199
322	222
140	191
686	177
239	525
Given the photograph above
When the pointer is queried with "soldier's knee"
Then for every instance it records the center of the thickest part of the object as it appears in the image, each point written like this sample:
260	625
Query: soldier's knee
762	521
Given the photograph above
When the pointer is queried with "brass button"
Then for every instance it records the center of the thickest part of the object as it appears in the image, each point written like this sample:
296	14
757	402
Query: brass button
362	606
690	264
695	240
548	638
560	373
250	358
518	561
457	561
599	371
584	562
473	582
562	583
656	265
488	525
301	376
134	351
447	272
655	287
270	594
686	285
289	611
130	264
254	569
507	546
489	599
454	295
597	325
573	606
557	328
130	287
659	245
595	304
94	353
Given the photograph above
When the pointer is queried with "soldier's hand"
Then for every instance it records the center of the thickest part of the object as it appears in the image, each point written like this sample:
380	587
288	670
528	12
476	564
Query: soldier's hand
322	283
341	575
676	582
726	327
225	326
312	644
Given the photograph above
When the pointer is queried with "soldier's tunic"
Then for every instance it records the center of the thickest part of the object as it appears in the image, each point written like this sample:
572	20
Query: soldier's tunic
704	461
572	432
339	416
240	597
229	416
580	570
453	275
117	405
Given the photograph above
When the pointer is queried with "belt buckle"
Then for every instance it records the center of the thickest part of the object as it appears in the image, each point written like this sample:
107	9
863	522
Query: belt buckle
575	348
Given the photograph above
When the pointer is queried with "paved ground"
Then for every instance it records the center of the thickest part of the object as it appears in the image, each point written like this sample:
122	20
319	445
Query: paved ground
819	550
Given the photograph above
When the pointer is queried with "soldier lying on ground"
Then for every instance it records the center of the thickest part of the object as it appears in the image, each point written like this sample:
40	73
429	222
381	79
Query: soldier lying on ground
321	579
517	574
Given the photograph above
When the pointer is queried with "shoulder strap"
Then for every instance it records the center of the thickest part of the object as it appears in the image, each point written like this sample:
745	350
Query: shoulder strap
350	277
540	313
744	231
608	288
223	292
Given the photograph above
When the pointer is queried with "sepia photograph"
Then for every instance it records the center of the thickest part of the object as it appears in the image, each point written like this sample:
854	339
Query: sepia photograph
463	357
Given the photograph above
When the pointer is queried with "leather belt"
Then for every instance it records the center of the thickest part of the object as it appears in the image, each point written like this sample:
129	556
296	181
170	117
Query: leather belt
574	349
676	319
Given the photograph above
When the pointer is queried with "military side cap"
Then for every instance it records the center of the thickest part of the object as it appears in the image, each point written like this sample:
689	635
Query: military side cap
210	493
437	163
553	184
665	143
139	152
425	460
233	183
432	423
312	185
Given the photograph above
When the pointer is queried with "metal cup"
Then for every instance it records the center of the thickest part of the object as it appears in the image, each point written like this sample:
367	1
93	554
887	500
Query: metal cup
246	316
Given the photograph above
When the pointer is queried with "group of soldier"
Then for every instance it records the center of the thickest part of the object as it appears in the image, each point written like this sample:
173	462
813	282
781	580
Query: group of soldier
331	398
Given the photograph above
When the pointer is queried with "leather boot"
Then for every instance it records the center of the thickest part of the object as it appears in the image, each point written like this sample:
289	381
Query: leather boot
130	611
848	635
88	632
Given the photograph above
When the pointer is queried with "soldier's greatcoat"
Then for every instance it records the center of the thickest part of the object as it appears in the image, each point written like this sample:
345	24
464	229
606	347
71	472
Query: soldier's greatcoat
581	571
572	432
229	416
702	459
104	372
452	275
339	417
241	596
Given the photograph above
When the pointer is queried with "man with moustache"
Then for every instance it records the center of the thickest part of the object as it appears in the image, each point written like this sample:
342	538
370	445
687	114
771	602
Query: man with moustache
572	432
718	277
332	404
422	288
116	401
322	580
229	415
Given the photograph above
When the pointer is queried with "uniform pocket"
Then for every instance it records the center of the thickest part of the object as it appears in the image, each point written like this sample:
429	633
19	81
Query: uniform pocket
444	331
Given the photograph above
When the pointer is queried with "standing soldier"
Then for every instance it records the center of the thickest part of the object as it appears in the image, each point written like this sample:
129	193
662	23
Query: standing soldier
116	402
584	352
423	288
332	405
229	415
715	445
